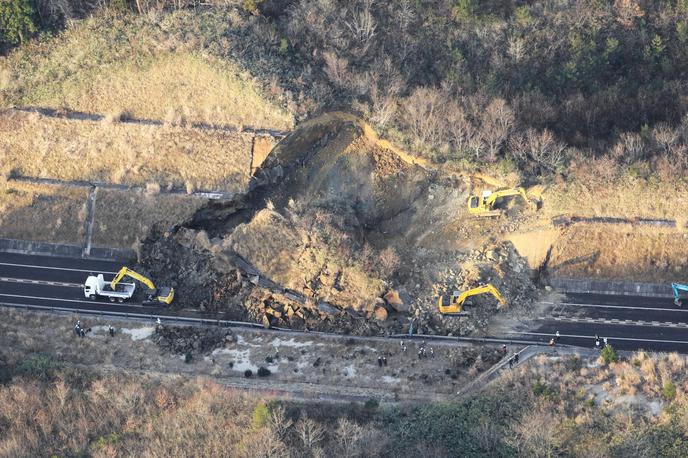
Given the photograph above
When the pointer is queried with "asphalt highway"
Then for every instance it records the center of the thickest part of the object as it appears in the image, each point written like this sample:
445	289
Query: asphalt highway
49	281
629	322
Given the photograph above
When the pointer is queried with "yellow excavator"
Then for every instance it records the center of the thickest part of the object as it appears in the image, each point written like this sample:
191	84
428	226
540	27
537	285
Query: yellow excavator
163	295
484	205
453	305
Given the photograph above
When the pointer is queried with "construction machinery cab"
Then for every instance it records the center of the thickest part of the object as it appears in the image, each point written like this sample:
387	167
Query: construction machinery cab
484	204
93	285
453	305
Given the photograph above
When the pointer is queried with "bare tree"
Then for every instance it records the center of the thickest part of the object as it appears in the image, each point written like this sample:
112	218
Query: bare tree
337	69
348	435
459	129
628	11
665	136
629	149
309	432
496	123
267	445
362	27
389	261
422	109
534	434
540	148
279	422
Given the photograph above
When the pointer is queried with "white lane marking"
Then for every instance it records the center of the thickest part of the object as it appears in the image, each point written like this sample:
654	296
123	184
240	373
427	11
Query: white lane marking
629	307
592	337
56	268
656	324
71	300
41	282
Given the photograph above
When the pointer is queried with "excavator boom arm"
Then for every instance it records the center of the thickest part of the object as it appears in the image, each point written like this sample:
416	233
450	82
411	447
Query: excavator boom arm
455	306
506	193
125	271
677	288
481	290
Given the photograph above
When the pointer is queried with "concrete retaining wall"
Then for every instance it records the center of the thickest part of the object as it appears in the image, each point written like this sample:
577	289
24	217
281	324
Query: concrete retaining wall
570	285
68	251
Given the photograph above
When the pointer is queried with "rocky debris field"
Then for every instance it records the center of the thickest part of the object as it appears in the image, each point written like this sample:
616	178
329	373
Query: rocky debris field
184	340
338	233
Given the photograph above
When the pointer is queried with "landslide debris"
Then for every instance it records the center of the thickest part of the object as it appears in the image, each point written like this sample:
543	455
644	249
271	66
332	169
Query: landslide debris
183	340
338	232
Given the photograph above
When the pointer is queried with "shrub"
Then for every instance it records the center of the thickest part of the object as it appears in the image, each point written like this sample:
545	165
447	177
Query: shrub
251	5
261	415
16	20
608	354
669	390
263	371
39	366
104	441
248	373
544	390
371	404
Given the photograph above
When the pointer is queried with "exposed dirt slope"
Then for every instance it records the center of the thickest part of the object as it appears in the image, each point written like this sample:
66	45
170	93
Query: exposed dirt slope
335	220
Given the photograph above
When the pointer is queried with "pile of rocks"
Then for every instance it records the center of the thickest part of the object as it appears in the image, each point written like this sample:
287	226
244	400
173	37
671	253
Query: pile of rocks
185	340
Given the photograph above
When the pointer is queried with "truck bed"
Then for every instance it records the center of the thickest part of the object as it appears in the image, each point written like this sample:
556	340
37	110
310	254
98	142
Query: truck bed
125	290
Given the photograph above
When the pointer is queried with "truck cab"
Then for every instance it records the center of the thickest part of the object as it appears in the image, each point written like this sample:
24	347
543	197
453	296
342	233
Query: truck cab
95	285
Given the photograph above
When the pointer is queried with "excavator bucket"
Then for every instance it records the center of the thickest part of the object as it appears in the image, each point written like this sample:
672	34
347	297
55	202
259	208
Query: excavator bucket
165	295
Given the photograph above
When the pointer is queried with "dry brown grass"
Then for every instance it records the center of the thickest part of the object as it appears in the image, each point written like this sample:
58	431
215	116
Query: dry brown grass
623	252
123	217
42	213
144	66
628	197
125	153
199	89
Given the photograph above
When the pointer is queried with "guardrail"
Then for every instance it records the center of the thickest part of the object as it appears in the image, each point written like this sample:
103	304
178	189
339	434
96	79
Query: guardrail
593	286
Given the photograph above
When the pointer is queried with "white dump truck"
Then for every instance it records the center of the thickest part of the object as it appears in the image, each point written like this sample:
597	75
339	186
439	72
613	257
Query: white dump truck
97	286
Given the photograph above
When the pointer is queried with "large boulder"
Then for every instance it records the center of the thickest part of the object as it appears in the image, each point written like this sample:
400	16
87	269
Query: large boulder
393	299
380	313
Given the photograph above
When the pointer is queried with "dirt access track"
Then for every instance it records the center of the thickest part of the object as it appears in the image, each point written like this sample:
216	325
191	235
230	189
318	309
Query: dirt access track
310	367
